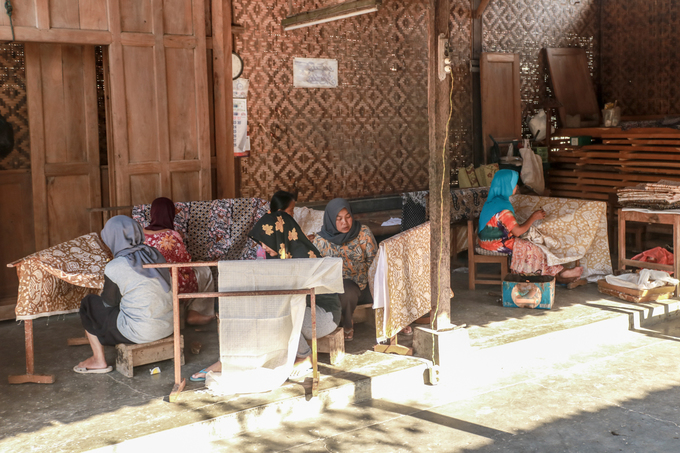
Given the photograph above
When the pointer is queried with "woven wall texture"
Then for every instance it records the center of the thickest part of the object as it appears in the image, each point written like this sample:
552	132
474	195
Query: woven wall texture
640	55
13	105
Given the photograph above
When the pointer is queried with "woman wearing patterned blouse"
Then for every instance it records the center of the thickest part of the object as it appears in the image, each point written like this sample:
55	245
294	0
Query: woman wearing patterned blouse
342	236
161	235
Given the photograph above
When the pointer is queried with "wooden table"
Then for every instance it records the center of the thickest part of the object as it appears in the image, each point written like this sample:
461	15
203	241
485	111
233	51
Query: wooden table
180	382
650	217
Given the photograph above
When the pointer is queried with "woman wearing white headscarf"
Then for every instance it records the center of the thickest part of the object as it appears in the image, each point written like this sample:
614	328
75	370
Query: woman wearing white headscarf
136	303
343	236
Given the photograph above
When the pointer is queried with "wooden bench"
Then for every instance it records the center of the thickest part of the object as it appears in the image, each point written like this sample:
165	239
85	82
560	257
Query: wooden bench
333	344
129	356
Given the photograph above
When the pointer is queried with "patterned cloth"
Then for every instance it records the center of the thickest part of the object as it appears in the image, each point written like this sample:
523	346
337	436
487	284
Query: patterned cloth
497	234
54	281
528	258
400	281
572	230
357	255
171	246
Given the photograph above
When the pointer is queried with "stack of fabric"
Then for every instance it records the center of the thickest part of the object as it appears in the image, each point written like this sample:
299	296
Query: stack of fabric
661	195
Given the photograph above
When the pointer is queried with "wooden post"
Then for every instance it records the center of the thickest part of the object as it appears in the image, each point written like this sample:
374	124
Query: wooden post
440	198
315	361
622	239
223	98
30	362
676	251
179	382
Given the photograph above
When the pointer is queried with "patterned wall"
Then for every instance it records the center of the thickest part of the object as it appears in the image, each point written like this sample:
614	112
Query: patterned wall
13	105
367	137
640	56
527	26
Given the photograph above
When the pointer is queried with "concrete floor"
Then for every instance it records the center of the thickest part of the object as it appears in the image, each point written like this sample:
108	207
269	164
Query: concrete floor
82	412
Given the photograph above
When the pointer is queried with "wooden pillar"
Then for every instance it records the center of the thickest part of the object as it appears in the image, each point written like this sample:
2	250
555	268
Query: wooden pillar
440	197
223	97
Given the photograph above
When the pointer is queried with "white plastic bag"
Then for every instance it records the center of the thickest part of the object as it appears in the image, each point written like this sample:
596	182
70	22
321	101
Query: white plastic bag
537	125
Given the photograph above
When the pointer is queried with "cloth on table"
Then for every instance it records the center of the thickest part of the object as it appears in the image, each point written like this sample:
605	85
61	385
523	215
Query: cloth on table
259	335
55	280
400	281
646	279
572	230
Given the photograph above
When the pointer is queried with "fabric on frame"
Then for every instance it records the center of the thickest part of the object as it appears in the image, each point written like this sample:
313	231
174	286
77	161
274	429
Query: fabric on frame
400	281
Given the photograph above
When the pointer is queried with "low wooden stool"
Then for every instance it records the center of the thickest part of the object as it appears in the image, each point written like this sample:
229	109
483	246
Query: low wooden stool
129	356
333	344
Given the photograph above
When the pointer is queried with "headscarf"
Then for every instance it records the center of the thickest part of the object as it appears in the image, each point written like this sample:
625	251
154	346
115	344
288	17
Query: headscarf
281	233
125	237
329	231
502	186
162	215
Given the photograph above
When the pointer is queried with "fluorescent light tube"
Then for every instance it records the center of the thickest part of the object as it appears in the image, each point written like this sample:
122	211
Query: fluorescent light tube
329	14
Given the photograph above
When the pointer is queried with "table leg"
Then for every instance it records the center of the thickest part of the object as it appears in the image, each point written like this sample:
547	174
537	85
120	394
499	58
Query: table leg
622	239
315	363
676	250
29	377
177	349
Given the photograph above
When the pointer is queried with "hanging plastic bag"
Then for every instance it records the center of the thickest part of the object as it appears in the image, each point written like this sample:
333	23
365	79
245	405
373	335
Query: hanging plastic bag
537	125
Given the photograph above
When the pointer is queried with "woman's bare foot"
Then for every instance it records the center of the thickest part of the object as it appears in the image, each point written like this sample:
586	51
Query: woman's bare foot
216	367
301	367
572	273
194	318
93	364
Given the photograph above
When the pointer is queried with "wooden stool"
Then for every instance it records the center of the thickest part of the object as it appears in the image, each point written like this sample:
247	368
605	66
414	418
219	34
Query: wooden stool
486	257
333	344
129	356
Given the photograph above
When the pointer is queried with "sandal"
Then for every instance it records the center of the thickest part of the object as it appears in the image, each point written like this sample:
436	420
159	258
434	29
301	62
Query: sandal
349	335
199	378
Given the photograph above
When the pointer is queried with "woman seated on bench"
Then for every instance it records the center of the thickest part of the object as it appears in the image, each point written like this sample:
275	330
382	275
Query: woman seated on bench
282	238
344	237
499	231
161	235
136	303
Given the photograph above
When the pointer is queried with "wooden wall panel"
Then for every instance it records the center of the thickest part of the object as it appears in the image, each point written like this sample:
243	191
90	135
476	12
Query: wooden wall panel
16	228
144	188
64	14
93	15
181	104
21	17
177	17
140	91
68	198
185	186
136	16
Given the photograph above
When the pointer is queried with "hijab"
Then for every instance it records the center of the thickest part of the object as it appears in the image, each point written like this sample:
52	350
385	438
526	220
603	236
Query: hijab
329	231
125	237
281	233
162	215
502	186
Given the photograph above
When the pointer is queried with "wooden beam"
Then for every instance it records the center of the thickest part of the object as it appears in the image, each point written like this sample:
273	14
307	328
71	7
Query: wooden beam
480	9
440	198
330	13
56	35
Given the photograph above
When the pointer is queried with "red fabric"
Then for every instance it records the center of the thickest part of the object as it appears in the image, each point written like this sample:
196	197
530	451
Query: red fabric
658	255
170	244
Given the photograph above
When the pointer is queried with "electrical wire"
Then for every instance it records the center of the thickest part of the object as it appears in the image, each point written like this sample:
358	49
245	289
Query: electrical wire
441	217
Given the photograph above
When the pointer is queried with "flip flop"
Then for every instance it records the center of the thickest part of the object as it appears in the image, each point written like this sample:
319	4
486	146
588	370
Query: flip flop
349	335
198	379
296	374
84	370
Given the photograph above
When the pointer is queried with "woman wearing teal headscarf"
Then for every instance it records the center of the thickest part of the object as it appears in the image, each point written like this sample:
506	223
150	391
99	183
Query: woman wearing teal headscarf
498	226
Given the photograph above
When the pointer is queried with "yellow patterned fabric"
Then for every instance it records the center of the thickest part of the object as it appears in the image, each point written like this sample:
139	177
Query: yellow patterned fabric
53	281
572	230
400	281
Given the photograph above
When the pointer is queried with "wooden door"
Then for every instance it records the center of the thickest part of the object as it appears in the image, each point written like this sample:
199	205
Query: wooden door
159	99
501	101
62	111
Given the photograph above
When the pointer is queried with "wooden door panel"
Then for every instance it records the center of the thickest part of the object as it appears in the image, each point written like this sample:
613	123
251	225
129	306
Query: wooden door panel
17	237
68	198
140	95
185	186
64	13
181	104
62	102
93	15
177	17
136	16
144	188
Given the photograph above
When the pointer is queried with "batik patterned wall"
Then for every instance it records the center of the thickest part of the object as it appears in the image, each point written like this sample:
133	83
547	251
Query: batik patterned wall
13	105
527	26
640	56
368	136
